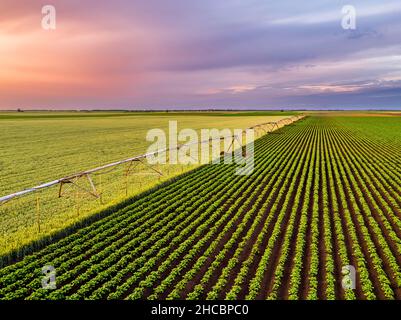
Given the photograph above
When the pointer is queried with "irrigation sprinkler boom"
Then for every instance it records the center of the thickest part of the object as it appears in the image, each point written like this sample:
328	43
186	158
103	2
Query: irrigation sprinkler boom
87	174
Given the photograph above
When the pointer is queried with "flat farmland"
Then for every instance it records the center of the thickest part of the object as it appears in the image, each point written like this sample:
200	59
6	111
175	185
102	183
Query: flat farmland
325	193
38	147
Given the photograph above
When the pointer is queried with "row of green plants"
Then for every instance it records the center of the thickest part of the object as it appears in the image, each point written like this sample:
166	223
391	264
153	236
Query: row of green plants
236	210
81	237
343	252
107	236
370	227
259	207
98	236
322	196
279	196
349	212
255	284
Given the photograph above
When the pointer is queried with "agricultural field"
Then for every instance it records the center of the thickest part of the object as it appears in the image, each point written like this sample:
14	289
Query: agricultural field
325	193
38	147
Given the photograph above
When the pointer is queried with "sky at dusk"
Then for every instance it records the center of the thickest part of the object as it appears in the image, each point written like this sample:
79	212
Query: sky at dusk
183	54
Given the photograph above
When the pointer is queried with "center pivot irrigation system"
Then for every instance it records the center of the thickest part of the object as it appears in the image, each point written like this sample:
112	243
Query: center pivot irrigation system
73	179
